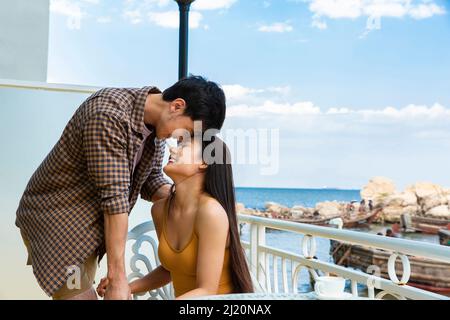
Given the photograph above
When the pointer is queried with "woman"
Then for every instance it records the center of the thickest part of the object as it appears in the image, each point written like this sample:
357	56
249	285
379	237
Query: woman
199	246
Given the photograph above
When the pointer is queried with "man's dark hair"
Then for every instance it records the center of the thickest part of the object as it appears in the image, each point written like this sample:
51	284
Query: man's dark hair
205	100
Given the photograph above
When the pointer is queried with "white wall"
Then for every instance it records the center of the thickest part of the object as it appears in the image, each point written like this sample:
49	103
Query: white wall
24	27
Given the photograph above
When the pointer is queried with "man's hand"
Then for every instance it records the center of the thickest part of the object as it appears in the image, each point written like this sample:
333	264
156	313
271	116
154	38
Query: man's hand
117	289
101	288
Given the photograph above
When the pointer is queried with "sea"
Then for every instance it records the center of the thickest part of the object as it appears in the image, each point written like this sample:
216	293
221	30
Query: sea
257	197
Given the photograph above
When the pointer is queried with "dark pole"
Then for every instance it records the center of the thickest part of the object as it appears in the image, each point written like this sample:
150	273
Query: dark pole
184	6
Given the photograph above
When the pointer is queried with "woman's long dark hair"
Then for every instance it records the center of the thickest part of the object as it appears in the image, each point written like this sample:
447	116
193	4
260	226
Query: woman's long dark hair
219	184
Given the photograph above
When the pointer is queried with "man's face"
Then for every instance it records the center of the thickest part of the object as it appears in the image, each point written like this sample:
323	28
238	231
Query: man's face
173	121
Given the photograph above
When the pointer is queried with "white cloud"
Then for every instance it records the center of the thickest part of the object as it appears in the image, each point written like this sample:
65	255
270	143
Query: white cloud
239	93
147	3
134	16
336	8
236	91
212	5
278	27
249	102
352	9
270	108
73	10
171	19
412	112
424	11
135	12
281	90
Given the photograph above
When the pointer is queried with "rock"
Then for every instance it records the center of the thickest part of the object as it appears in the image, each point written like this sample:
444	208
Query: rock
404	199
240	208
446	194
425	189
377	190
276	209
256	213
329	209
429	195
441	211
298	212
393	213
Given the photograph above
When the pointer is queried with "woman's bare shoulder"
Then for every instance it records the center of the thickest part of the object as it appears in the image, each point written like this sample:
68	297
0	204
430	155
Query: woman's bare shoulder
157	211
211	214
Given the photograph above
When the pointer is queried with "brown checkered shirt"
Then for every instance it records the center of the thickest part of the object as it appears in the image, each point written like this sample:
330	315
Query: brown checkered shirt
88	172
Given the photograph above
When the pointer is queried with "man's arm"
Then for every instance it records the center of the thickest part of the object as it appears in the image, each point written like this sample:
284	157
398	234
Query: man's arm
162	193
156	186
116	230
105	145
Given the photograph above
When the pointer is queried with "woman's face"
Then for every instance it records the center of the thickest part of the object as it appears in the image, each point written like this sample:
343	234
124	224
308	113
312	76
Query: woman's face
185	159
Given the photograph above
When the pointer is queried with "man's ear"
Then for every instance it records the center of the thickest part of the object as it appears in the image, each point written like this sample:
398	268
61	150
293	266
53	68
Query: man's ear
178	106
203	167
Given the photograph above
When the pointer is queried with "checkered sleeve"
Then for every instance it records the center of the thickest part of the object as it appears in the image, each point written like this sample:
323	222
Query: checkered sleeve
156	178
105	146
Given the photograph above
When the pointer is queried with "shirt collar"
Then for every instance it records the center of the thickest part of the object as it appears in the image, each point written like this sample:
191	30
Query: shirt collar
137	114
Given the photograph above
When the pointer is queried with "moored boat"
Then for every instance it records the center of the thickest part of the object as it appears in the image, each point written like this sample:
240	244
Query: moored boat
426	274
423	224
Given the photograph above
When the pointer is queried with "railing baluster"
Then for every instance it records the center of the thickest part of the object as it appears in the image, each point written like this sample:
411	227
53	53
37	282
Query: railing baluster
261	241
284	275
254	248
267	267
354	288
294	265
275	273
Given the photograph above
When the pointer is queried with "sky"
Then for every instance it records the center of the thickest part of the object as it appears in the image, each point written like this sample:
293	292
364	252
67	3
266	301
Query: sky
341	90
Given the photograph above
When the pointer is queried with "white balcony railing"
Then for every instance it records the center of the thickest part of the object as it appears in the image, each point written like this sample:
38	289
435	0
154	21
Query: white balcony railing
264	260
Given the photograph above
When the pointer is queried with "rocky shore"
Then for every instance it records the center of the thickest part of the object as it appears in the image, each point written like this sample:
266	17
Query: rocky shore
422	199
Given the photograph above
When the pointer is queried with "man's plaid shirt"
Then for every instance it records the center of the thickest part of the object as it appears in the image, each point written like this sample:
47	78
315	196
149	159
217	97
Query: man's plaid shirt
88	173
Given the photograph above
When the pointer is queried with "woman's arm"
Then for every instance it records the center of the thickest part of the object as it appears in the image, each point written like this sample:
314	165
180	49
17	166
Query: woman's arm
212	229
155	279
160	276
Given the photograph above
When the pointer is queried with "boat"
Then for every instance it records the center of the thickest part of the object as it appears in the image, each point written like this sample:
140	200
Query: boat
426	274
347	220
430	225
361	219
423	224
319	221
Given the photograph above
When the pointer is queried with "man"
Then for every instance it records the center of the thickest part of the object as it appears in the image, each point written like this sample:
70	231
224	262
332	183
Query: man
75	206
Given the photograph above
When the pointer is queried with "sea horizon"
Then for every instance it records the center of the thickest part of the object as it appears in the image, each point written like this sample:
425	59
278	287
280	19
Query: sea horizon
302	188
257	197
